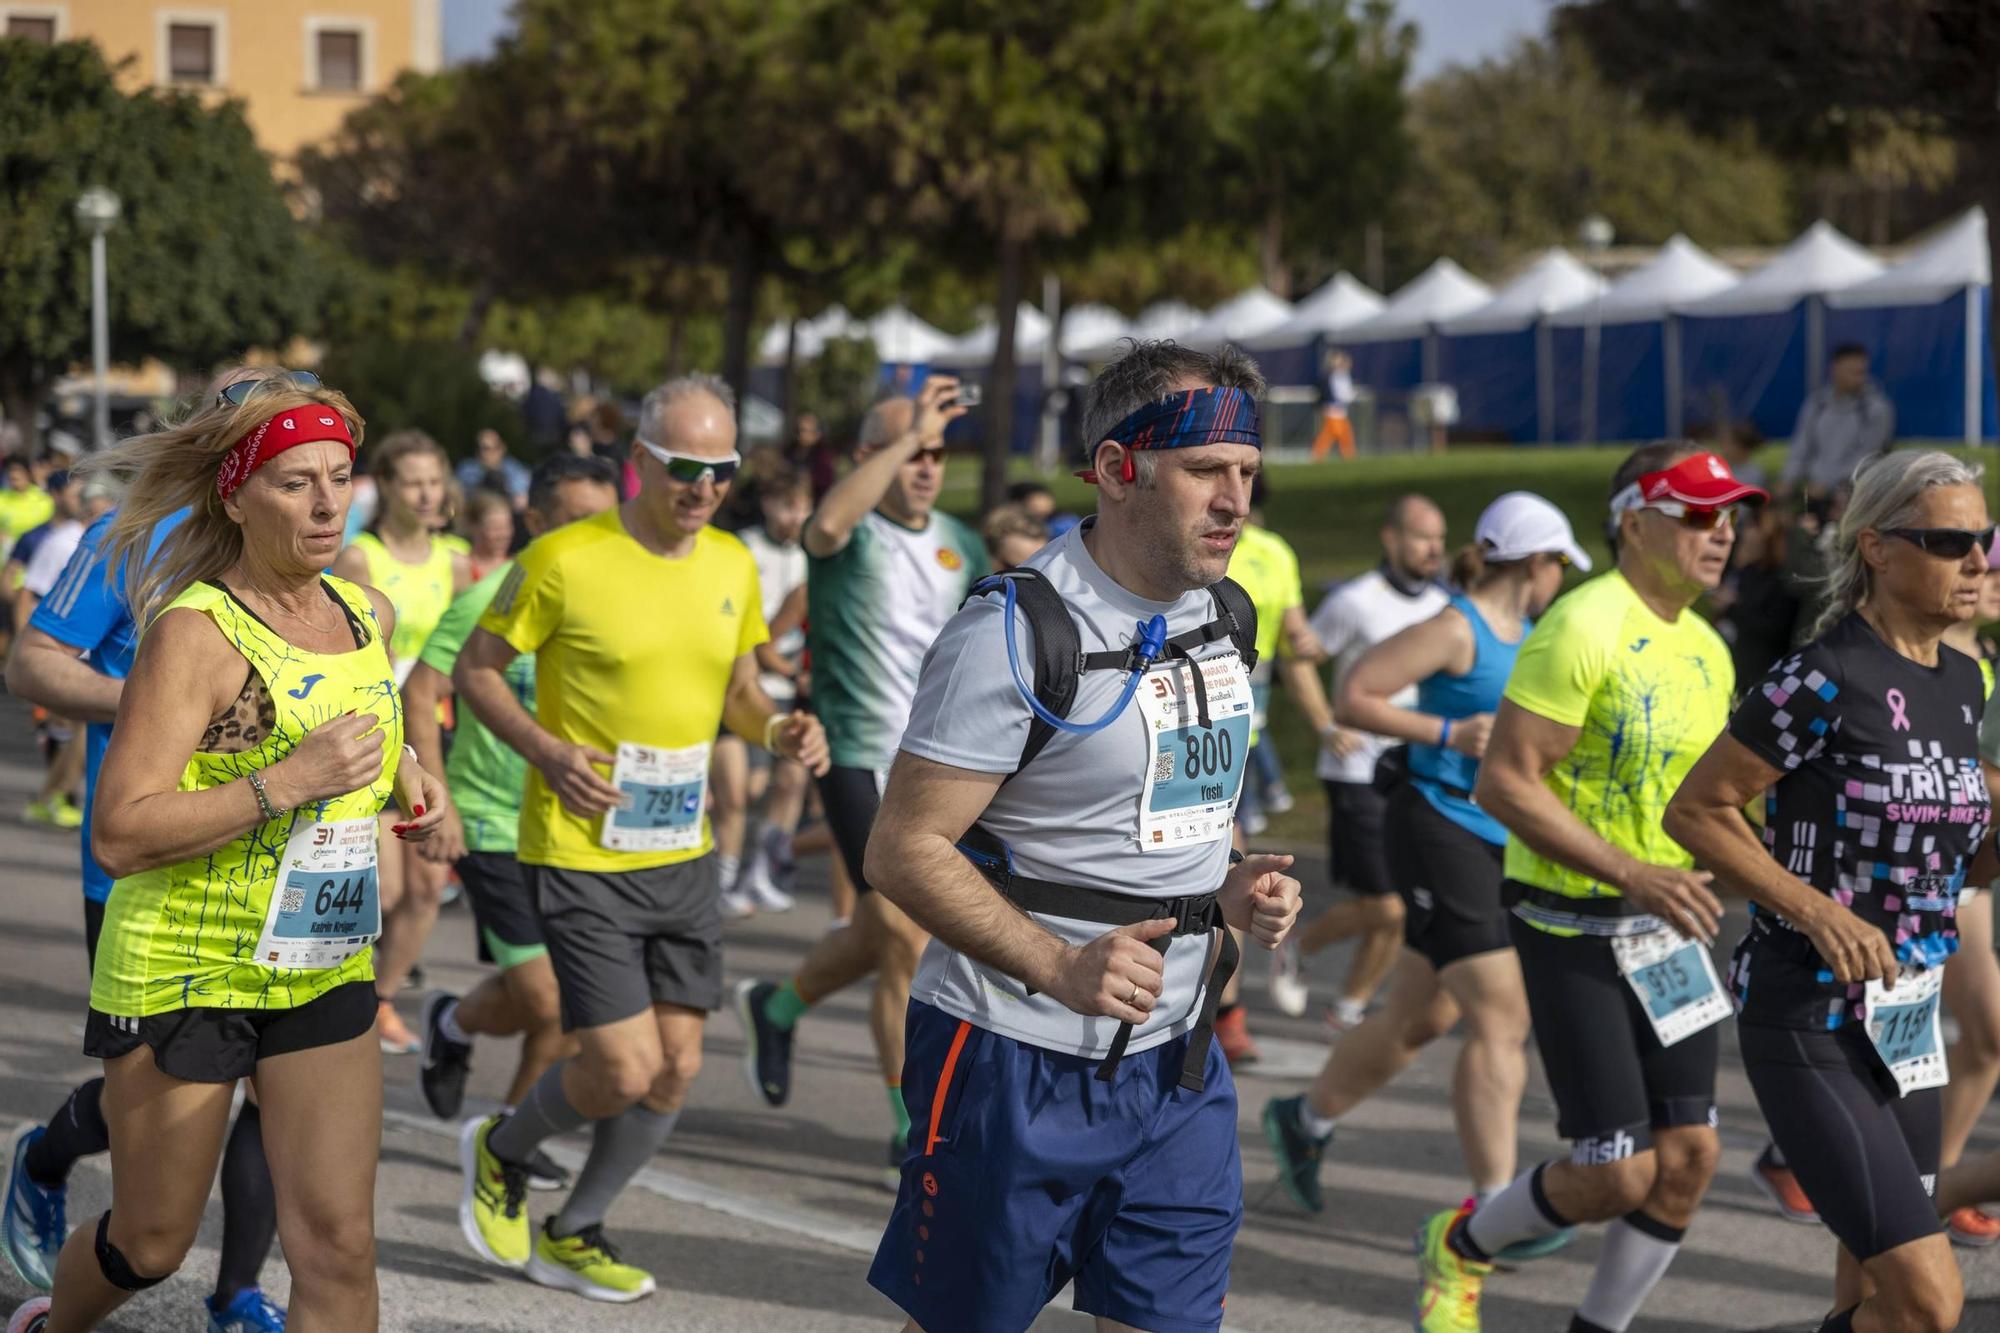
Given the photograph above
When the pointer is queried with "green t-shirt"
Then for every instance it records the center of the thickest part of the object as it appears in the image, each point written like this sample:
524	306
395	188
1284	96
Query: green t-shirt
1649	696
484	773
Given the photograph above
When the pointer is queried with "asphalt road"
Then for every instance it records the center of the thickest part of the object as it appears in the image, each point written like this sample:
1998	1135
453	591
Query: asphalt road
754	1219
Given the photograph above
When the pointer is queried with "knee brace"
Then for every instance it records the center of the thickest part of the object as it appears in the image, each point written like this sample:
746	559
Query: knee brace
112	1264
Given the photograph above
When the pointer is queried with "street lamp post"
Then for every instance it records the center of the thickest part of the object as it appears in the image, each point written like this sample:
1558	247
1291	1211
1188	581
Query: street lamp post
98	209
1596	234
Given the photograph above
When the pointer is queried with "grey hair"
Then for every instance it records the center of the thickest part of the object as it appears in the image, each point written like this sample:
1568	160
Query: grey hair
1887	493
1146	373
653	411
876	428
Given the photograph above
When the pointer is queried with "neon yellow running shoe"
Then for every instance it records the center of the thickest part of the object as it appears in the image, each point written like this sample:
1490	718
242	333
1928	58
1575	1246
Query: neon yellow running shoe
1448	1299
492	1210
587	1265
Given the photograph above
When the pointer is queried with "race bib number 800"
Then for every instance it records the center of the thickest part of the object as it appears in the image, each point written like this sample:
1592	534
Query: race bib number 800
1194	773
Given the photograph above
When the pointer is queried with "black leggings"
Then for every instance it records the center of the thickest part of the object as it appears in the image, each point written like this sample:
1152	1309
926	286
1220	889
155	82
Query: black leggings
1867	1158
851	799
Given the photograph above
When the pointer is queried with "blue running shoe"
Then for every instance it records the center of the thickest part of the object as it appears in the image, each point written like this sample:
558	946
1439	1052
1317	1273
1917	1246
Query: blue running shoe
1541	1247
249	1311
37	1222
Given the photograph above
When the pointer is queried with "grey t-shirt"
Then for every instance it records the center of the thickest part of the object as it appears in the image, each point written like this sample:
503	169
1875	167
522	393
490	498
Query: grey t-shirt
1075	814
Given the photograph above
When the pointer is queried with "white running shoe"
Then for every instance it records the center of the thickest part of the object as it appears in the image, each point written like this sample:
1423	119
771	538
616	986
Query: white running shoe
1345	1014
1253	822
737	905
1278	799
763	892
1289	991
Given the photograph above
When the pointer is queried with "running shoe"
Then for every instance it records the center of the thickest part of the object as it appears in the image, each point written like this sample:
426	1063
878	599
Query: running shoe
1253	822
492	1209
1289	991
1232	1033
249	1311
767	1048
587	1265
1973	1228
737	905
1781	1187
1278	799
757	885
545	1173
446	1063
60	813
36	1224
32	1317
1344	1015
1540	1247
1299	1154
395	1036
453	891
1449	1283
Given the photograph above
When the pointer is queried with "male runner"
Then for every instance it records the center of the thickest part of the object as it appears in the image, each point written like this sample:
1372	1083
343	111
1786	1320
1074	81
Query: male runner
642	620
73	659
1615	694
1076	1121
886	571
481	835
1357	615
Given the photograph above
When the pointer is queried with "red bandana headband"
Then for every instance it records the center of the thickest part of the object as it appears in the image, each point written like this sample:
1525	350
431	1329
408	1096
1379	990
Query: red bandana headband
310	423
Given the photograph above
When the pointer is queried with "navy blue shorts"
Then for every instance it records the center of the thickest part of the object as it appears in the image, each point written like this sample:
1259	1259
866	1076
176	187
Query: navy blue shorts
1026	1172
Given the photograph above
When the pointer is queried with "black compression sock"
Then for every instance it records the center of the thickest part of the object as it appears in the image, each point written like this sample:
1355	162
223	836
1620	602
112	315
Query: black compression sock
1841	1321
77	1130
249	1208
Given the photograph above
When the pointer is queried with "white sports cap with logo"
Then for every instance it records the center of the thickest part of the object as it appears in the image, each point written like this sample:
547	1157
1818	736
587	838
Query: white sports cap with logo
1520	524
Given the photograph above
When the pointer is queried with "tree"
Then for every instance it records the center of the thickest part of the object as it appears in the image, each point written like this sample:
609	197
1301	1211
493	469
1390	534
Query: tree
205	261
1511	155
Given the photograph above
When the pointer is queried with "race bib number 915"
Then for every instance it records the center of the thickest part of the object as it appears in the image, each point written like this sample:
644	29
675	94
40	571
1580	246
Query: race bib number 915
1194	773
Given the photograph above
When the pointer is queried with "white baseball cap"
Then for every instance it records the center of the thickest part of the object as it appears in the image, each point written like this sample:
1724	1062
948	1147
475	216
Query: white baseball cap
1520	524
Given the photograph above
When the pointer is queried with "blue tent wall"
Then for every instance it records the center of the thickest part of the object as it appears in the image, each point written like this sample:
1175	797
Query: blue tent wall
1631	383
1745	367
1392	367
1917	355
1291	366
1494	374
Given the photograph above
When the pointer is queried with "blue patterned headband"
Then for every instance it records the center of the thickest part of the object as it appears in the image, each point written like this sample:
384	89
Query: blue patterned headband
1187	419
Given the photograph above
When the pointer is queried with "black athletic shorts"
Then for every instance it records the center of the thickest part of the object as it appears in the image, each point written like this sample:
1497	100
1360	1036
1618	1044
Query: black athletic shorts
93	926
1613	1083
1867	1158
1354	817
621	942
223	1045
851	797
1449	878
510	929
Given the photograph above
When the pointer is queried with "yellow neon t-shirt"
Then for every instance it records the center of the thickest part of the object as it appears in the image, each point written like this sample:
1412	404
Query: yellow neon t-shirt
1268	570
1649	696
629	647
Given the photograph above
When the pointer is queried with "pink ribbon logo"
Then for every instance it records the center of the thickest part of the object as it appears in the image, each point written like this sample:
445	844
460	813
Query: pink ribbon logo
1898	719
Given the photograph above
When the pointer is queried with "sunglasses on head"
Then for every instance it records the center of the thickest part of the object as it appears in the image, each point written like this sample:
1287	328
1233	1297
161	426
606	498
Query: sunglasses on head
1700	517
691	469
235	395
1945	543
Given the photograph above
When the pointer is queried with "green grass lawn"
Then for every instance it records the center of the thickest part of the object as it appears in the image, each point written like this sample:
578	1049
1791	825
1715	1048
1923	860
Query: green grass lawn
1331	514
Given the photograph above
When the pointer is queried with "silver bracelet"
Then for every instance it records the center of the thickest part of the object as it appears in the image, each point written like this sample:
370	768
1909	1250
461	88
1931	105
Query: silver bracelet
263	797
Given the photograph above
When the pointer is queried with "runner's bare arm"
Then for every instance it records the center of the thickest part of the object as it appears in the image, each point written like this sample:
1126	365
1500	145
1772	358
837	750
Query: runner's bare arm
863	488
44	670
914	861
568	768
422	692
1706	817
747	711
1442	643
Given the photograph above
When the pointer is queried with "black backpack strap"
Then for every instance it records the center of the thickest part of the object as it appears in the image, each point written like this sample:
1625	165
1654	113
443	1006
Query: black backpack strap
1058	649
1235	605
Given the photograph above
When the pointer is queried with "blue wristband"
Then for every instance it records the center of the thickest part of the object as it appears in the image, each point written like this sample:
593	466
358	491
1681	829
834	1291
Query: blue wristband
1444	736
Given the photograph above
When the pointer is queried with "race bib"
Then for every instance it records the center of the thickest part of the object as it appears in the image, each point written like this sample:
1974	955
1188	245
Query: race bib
1193	773
663	791
327	906
1675	980
1903	1026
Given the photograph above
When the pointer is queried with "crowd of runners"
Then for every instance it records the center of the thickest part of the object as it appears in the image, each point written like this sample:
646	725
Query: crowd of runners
1037	751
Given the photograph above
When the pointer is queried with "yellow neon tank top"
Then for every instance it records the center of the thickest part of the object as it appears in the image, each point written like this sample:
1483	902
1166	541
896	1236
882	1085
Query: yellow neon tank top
184	936
420	593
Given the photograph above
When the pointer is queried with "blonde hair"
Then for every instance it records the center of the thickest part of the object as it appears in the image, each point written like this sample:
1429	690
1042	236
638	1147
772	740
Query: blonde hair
1010	520
1887	493
174	468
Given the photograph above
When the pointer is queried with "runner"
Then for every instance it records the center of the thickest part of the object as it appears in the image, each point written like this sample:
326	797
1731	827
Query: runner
887	571
1445	853
642	620
73	658
1615	694
1078	1122
1863	749
53	544
1356	616
259	735
481	834
421	574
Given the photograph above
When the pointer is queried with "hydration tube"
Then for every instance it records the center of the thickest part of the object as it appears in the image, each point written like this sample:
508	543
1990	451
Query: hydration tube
1152	642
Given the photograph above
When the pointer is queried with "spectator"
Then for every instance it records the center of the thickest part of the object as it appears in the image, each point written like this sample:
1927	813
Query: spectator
1040	503
1012	533
23	504
1334	427
811	452
542	411
1844	423
488	525
492	468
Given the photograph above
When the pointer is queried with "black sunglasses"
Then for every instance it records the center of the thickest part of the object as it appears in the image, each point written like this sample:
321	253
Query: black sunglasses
1945	543
235	395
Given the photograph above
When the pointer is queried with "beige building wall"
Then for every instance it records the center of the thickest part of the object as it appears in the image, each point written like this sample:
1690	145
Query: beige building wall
298	65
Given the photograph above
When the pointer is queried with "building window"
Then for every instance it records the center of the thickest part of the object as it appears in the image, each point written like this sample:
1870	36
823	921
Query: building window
42	30
337	58
190	53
